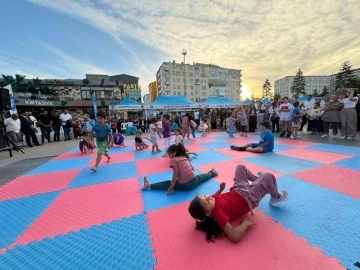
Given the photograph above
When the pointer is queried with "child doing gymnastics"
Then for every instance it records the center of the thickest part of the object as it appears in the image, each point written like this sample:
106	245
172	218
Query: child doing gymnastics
103	139
183	177
213	213
265	145
139	141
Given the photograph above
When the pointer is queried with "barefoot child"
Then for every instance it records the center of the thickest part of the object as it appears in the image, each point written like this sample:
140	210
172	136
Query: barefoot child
139	142
166	132
265	145
213	213
153	136
103	139
183	177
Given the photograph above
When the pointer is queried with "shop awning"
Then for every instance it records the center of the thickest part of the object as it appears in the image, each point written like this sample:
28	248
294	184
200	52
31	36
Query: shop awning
220	102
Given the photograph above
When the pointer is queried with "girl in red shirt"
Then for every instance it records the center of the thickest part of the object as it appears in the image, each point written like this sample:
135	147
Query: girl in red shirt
213	213
184	177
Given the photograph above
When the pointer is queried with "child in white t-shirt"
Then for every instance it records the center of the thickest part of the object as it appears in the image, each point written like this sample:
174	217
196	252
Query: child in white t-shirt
313	115
159	126
153	137
180	140
285	117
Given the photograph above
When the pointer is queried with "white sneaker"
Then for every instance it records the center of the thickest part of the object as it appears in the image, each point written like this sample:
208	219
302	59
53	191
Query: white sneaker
292	137
283	196
215	171
298	137
343	137
333	136
324	136
349	138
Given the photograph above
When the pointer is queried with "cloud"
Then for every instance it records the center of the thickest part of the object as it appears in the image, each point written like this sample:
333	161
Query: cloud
266	39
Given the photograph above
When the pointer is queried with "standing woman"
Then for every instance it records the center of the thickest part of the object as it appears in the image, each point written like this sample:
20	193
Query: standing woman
185	130
260	115
348	115
331	116
252	118
274	117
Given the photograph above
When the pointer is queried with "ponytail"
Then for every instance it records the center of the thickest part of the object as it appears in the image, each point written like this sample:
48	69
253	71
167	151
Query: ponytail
178	149
204	223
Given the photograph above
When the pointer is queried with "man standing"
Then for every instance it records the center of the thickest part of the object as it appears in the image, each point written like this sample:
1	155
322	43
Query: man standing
45	123
66	118
196	117
27	127
56	124
308	104
13	126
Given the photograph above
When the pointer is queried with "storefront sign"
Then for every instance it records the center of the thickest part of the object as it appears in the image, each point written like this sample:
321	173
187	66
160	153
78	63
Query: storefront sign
58	82
81	103
38	103
131	86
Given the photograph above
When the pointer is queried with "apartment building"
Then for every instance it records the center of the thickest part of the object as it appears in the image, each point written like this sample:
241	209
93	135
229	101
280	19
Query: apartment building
283	86
198	81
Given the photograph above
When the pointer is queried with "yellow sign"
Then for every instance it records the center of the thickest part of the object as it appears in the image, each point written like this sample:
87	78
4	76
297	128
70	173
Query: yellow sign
130	86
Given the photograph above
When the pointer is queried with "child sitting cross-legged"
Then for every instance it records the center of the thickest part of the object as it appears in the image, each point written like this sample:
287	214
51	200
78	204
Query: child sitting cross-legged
214	213
139	141
183	177
266	143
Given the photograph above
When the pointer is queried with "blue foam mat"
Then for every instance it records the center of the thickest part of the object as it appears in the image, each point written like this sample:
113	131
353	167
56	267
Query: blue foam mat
350	163
283	164
60	165
280	147
146	154
121	244
209	156
155	199
325	218
341	149
16	215
215	145
105	173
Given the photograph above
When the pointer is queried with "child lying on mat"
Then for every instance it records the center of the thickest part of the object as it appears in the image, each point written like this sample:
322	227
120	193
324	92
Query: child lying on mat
265	145
213	213
183	177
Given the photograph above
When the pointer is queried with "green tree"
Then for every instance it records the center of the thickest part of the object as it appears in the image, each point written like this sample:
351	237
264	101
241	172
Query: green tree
298	85
17	83
252	96
325	92
266	89
345	78
315	93
277	96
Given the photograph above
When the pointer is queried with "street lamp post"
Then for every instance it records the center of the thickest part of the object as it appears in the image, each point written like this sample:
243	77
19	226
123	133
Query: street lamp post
184	53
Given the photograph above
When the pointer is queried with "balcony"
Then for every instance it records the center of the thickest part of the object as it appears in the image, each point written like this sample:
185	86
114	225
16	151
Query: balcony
166	68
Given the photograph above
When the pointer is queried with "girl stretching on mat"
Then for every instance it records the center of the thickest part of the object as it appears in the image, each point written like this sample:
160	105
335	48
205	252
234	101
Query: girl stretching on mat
184	177
213	213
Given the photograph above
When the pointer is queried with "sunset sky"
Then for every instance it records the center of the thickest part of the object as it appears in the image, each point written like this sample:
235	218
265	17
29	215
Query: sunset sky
264	38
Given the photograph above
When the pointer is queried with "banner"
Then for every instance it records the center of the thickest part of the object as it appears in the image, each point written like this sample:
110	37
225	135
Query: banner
93	98
12	99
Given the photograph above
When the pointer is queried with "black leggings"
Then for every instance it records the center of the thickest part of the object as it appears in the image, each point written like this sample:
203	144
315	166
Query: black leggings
252	123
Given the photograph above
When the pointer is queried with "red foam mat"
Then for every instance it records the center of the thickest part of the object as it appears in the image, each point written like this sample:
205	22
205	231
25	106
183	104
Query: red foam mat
267	245
83	207
28	185
345	181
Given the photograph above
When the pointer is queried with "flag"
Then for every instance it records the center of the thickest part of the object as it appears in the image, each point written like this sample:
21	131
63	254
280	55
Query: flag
12	99
93	98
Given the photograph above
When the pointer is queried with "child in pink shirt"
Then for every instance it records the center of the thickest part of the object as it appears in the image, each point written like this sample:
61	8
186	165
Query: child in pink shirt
184	177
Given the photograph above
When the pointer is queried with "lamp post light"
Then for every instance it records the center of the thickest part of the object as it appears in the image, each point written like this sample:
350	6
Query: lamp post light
184	53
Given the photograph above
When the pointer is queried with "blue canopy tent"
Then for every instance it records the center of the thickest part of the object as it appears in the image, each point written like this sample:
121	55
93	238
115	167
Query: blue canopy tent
265	101
246	102
173	102
220	102
304	98
126	104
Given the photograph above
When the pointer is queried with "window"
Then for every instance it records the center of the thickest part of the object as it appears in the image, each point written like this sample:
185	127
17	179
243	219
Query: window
191	74
178	87
191	87
184	73
203	94
174	80
179	93
177	73
191	93
184	80
191	81
203	87
196	69
178	79
173	73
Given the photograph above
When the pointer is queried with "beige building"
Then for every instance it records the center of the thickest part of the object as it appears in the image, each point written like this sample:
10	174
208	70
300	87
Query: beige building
198	81
283	86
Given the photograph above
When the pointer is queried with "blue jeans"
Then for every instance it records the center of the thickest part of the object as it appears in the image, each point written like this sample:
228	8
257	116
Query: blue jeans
231	129
66	132
193	130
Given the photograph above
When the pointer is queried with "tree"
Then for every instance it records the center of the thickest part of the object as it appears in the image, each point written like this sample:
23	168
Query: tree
266	89
357	84
277	96
325	92
17	83
85	81
252	96
298	85
345	78
315	93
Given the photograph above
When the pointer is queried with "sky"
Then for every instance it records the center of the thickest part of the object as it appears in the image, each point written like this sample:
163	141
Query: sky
264	38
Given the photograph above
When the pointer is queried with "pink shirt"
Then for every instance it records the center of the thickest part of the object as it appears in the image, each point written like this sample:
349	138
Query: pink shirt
186	171
185	121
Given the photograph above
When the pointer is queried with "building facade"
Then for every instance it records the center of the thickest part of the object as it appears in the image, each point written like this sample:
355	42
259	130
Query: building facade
75	94
198	81
153	92
283	86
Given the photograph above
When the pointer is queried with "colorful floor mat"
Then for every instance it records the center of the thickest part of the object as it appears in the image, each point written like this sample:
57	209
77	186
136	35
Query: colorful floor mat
61	215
